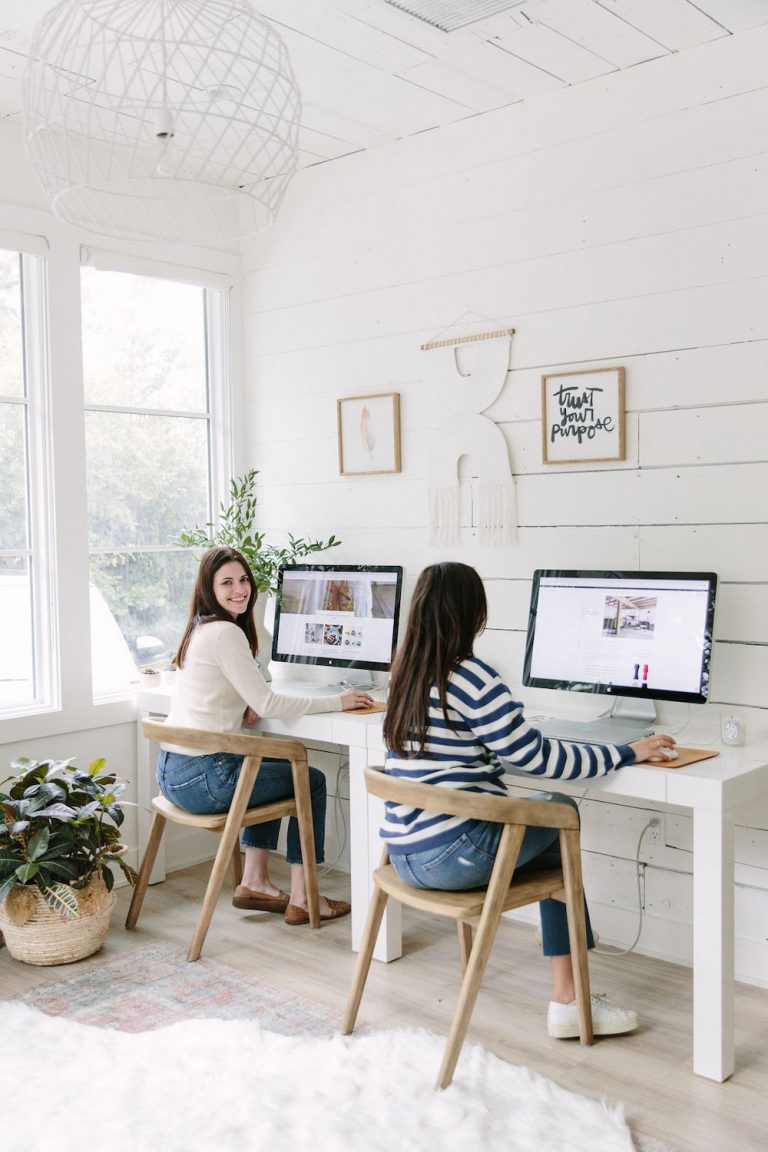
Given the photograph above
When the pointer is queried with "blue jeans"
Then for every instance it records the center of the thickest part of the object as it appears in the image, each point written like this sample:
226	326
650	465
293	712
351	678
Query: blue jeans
468	861
205	784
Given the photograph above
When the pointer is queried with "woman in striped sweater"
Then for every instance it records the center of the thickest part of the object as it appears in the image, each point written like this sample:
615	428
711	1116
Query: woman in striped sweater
452	721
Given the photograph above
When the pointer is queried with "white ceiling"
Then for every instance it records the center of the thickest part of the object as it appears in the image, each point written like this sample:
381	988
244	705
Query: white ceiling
369	73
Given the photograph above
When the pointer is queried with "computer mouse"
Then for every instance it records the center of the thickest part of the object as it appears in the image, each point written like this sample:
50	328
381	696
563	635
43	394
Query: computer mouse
665	754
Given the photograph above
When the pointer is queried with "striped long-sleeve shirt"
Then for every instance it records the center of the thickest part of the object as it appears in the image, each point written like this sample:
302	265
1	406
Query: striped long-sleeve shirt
485	727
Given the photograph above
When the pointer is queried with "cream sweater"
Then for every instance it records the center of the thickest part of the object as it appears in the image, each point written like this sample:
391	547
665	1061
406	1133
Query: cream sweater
220	678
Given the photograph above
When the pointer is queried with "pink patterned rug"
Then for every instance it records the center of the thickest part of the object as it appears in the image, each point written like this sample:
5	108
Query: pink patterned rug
154	986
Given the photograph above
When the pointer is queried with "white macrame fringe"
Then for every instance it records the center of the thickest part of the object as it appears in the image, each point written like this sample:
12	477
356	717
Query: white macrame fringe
444	515
495	514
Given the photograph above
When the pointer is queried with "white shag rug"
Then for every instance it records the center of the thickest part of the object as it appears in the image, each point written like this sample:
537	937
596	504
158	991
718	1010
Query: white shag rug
228	1086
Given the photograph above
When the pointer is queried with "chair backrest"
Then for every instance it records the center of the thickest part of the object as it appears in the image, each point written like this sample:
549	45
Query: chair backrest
239	743
472	805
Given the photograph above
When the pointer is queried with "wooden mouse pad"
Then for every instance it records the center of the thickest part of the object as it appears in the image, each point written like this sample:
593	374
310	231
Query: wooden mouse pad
685	756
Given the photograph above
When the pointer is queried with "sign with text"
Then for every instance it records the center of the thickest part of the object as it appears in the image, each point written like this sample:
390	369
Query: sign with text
582	416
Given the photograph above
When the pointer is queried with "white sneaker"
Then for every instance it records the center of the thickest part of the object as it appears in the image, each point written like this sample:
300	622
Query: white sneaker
607	1019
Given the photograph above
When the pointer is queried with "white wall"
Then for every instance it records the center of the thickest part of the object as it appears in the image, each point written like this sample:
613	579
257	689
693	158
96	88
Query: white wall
621	221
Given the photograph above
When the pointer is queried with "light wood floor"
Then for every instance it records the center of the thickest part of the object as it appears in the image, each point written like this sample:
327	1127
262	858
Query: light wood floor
648	1072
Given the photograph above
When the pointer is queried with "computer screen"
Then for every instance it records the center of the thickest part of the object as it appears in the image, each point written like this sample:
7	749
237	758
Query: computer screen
337	616
637	635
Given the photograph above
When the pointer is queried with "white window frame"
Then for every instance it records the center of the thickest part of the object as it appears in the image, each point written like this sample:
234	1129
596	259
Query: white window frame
218	358
41	544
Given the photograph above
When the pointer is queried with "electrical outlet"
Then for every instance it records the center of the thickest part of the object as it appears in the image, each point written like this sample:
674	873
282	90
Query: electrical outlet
655	830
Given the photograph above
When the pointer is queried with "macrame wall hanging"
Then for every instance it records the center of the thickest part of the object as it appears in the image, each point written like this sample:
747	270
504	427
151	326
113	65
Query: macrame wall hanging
468	373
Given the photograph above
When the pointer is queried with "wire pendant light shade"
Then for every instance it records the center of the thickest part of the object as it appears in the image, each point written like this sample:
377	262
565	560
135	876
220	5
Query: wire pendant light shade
161	119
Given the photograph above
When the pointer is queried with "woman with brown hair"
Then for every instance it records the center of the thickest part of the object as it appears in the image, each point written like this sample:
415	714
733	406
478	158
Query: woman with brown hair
219	687
452	721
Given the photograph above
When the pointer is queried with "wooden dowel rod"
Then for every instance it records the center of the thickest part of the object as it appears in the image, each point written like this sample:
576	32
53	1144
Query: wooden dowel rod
467	339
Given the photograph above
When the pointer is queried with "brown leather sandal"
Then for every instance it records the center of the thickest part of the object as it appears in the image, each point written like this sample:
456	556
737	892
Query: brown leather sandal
259	901
295	915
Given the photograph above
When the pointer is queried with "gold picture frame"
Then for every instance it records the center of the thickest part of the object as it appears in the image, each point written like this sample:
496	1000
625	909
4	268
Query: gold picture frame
582	416
369	434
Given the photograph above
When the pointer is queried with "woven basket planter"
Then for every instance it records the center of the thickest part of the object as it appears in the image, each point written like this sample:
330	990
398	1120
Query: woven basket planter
48	939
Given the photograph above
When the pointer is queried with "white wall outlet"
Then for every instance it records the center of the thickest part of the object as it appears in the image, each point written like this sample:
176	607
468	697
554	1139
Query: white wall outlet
654	833
732	730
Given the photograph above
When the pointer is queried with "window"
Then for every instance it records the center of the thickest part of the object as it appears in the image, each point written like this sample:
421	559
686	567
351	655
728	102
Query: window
27	648
153	352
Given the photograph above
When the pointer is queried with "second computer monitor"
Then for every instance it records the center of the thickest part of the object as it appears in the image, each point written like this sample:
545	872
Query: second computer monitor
338	615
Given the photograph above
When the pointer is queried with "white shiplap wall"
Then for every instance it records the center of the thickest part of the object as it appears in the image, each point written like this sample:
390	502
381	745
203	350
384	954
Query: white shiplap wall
621	221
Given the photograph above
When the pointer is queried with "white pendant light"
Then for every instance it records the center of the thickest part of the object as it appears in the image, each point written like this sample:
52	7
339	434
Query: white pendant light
161	119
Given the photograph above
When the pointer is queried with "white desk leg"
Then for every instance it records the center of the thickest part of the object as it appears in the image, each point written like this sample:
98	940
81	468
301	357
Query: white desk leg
146	789
713	944
365	813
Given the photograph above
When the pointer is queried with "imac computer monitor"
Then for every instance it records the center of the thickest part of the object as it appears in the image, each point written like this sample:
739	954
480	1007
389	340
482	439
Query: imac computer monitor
337	615
635	636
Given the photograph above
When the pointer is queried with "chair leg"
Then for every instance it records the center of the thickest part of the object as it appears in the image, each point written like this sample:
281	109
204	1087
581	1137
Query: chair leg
364	957
506	857
465	943
307	837
145	871
222	861
577	929
230	838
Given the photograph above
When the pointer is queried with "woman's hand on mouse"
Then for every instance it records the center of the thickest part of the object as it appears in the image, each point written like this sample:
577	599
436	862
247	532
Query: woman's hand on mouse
353	698
651	746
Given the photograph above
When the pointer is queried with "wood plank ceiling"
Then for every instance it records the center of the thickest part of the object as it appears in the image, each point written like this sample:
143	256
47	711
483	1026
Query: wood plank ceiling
370	73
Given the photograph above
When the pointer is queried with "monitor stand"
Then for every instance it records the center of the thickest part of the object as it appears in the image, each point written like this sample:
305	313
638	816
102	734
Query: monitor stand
334	681
630	718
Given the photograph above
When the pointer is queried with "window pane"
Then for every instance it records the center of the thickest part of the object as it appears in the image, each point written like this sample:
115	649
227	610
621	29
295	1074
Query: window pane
143	342
16	661
11	362
143	598
13	505
147	478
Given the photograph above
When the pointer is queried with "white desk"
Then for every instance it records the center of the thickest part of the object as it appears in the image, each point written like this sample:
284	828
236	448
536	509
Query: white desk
711	790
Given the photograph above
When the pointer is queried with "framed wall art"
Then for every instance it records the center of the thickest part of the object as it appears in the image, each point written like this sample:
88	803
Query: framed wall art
582	416
369	434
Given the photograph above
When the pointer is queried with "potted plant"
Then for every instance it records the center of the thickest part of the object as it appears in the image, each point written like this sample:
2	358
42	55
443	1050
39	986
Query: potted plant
235	530
58	836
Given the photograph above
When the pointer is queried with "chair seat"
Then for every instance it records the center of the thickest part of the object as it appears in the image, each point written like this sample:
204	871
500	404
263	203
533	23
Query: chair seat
529	888
214	822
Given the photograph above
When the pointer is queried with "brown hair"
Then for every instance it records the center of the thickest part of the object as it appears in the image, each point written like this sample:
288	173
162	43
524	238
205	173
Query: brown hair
204	606
448	611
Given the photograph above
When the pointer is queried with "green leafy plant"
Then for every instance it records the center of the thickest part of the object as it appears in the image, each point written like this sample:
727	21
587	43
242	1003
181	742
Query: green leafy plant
60	831
235	530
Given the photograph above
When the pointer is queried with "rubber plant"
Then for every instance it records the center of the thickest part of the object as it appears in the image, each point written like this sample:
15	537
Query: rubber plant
59	833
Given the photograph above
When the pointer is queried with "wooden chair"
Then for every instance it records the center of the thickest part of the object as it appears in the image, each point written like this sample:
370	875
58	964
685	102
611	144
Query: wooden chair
481	907
228	824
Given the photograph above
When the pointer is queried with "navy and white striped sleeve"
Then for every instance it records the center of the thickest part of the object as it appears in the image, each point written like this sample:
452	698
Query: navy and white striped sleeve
487	706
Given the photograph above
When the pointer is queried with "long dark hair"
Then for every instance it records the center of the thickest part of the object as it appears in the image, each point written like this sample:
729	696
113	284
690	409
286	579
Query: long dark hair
204	606
448	611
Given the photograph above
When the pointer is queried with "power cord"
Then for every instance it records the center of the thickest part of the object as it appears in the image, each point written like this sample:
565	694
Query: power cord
339	819
640	910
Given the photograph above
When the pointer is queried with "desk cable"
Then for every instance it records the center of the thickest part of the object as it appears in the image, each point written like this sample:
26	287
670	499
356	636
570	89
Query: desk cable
339	819
640	910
